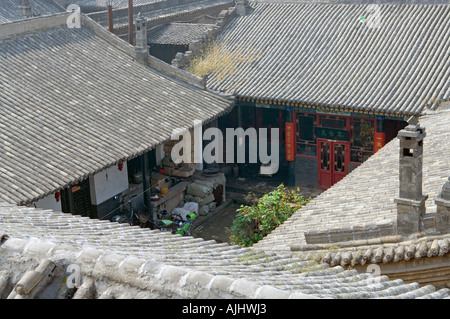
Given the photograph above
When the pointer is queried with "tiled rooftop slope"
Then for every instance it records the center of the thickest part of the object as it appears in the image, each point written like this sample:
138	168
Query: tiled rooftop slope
323	56
67	115
10	11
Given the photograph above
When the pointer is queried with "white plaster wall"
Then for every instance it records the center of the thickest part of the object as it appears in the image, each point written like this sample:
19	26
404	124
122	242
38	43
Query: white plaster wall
108	183
49	202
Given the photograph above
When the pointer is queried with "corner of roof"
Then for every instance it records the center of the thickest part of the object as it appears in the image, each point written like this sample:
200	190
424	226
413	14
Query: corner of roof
108	36
34	24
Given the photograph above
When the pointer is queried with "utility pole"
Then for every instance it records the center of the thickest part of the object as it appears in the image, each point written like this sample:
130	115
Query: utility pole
145	186
130	22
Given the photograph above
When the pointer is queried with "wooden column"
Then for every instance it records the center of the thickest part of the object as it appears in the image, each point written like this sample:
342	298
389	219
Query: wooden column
380	135
110	18
146	188
290	149
240	165
130	22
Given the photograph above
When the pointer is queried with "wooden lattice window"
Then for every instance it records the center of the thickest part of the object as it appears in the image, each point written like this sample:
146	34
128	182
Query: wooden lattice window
306	140
362	139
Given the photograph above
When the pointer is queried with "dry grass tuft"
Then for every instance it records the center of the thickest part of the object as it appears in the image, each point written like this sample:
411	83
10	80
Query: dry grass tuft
218	60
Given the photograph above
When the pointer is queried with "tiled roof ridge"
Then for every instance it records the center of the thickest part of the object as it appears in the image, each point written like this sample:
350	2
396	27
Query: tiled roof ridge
182	13
31	25
379	250
107	35
134	273
164	13
192	23
166	69
355	231
156	64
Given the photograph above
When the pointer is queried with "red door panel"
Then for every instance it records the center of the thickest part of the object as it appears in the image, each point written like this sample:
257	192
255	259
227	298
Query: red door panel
325	171
333	161
340	151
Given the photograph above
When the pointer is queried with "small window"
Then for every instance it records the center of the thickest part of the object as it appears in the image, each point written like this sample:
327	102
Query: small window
362	139
333	122
408	152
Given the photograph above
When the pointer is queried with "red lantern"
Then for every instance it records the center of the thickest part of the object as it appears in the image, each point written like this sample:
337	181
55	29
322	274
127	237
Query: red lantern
120	166
57	194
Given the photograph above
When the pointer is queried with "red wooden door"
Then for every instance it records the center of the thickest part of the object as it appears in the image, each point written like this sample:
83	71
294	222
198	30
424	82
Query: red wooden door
333	161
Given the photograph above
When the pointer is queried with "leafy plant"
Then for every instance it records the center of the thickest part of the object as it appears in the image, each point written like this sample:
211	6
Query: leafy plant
253	223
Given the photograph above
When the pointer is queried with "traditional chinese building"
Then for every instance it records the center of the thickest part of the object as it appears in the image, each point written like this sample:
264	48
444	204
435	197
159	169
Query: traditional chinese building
338	80
74	132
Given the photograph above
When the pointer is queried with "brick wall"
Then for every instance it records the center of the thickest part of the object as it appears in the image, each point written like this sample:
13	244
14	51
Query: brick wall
306	173
356	232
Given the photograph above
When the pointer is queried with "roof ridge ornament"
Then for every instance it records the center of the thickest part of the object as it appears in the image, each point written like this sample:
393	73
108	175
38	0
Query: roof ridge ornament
413	120
413	126
25	8
410	201
242	7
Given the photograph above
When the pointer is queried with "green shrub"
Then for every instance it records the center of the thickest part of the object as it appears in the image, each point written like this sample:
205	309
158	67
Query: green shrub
254	222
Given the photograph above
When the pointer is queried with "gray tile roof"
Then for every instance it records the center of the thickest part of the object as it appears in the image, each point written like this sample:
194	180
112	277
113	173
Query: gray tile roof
322	55
88	6
73	104
161	11
178	33
153	264
365	197
114	3
9	9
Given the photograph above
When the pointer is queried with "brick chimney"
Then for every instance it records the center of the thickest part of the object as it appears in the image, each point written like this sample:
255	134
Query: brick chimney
411	201
25	8
141	46
443	208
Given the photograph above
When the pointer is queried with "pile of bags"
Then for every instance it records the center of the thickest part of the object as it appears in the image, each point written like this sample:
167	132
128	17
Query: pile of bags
201	192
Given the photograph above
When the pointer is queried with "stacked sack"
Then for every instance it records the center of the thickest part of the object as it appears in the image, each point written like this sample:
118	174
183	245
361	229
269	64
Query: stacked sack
201	192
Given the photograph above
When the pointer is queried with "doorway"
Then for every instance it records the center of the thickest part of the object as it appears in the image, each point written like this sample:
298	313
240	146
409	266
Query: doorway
333	161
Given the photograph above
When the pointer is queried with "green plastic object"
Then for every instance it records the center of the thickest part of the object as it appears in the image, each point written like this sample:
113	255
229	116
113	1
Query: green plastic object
191	215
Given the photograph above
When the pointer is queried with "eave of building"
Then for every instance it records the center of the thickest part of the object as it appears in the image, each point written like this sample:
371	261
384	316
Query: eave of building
314	108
